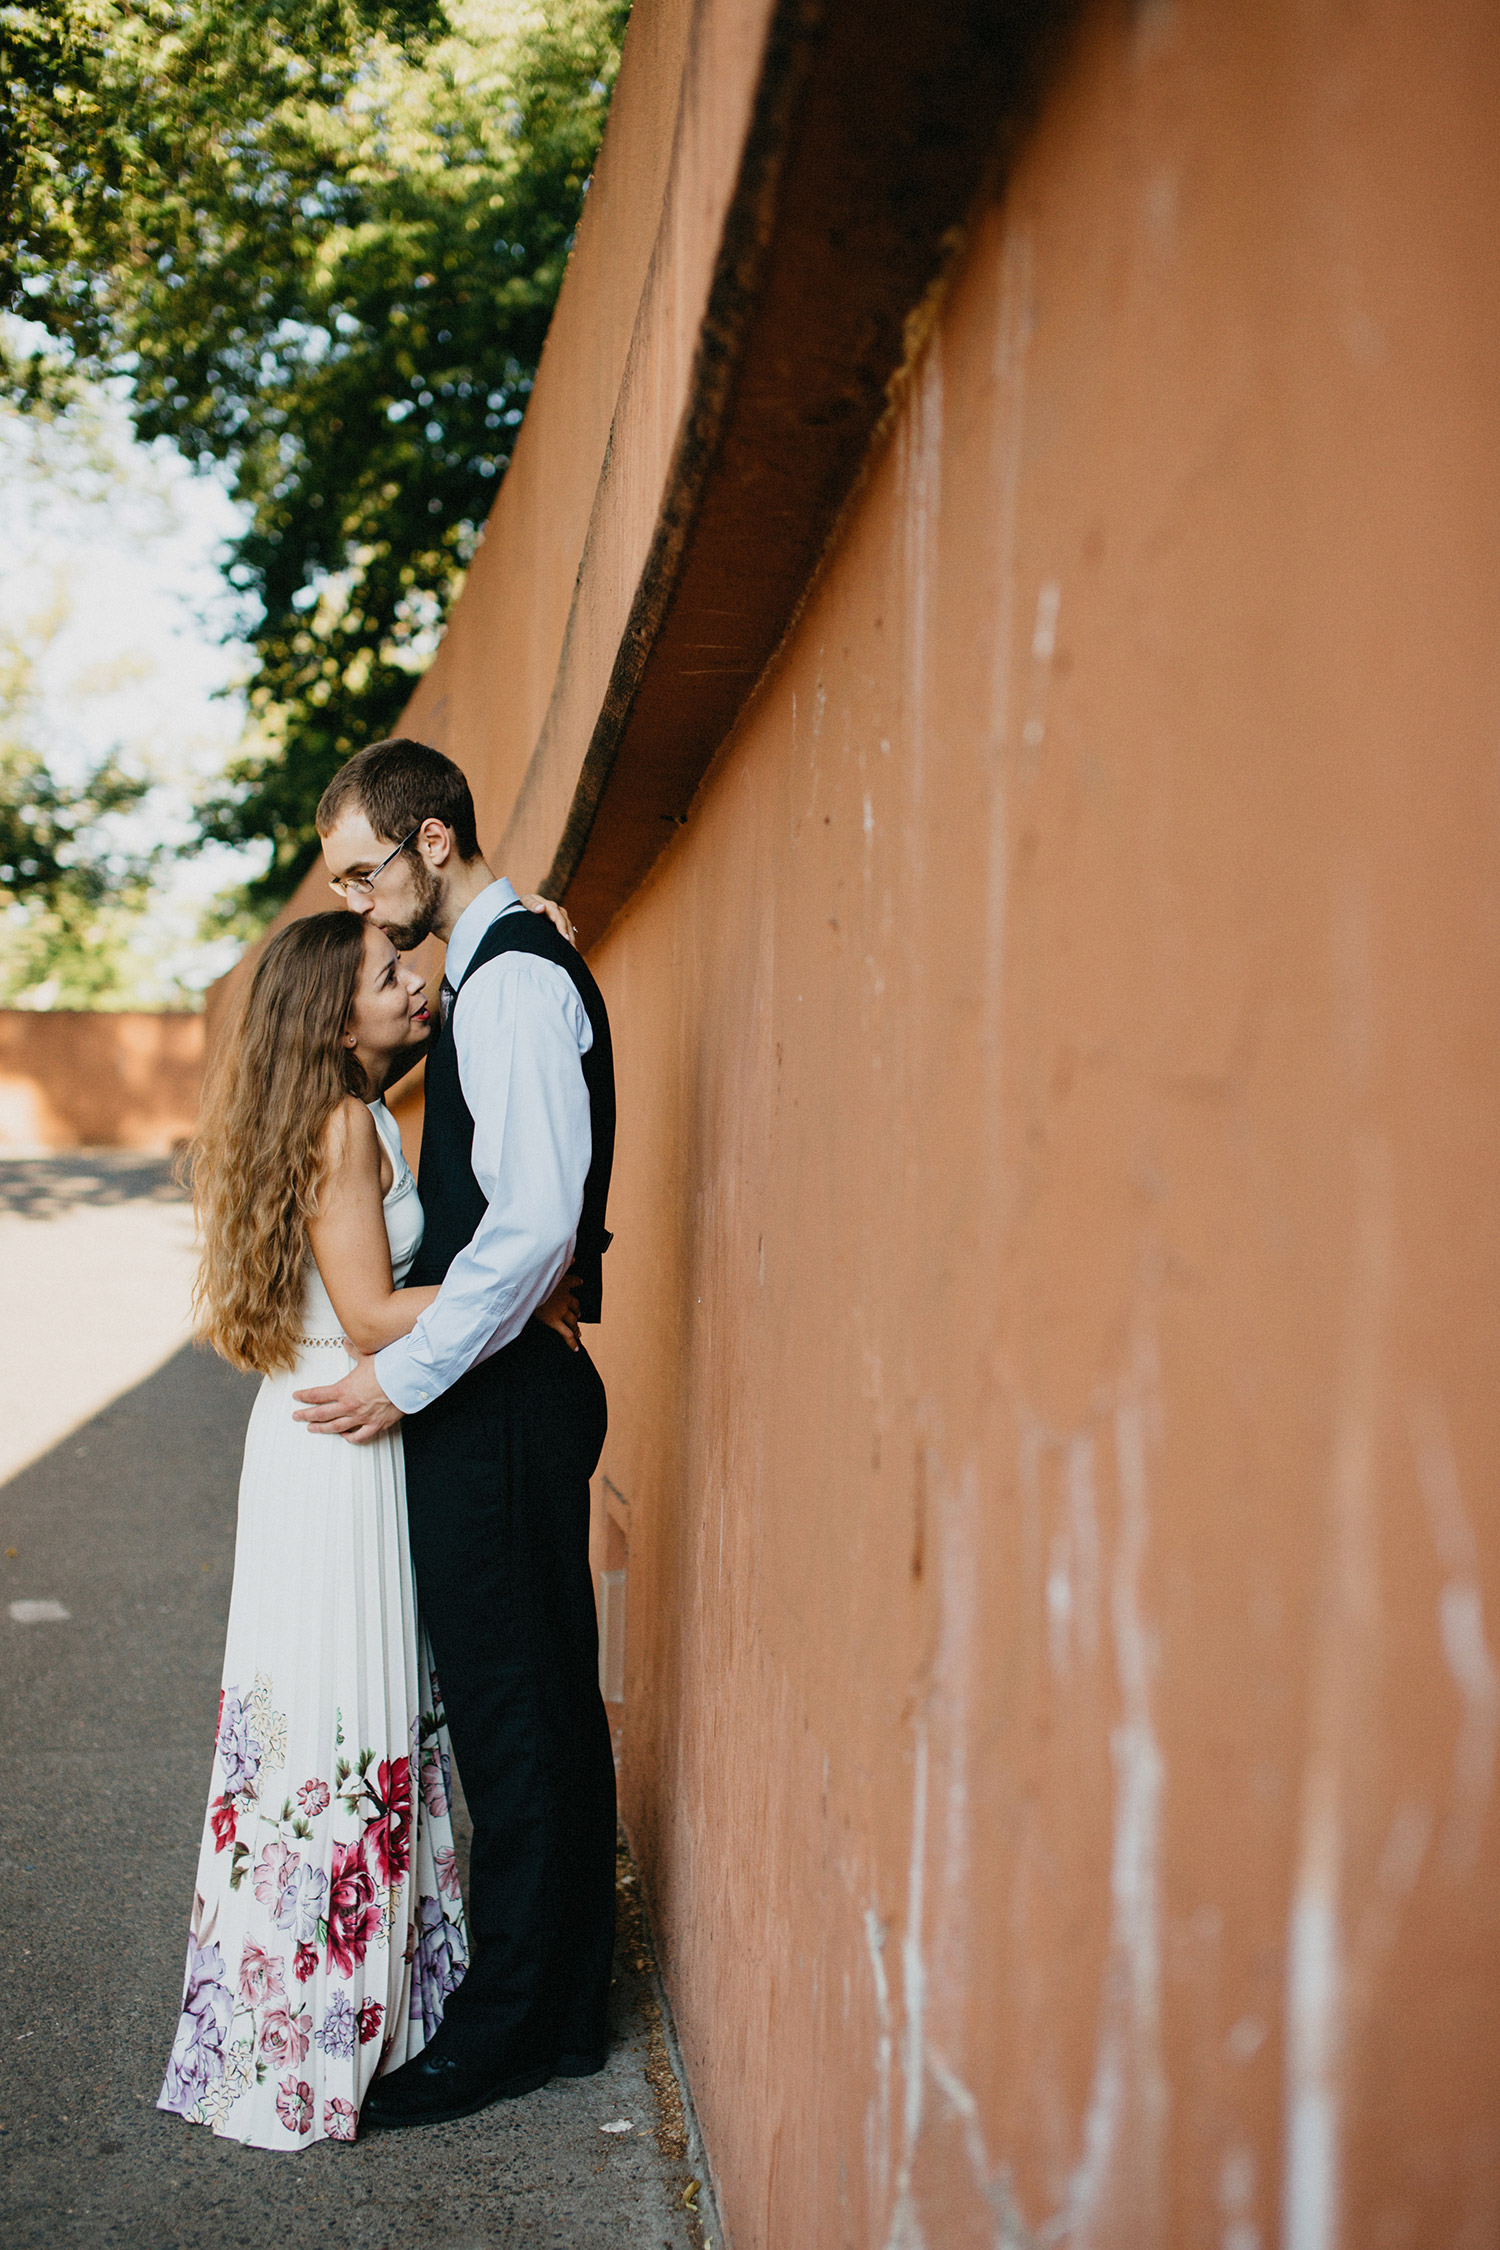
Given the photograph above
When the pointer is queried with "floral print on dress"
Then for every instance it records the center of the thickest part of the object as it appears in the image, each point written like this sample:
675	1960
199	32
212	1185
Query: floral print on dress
325	1905
354	1915
207	2011
239	1750
285	2037
383	1806
338	2033
269	1725
302	1905
294	2105
270	1876
338	2119
238	2078
438	1965
437	1792
260	1974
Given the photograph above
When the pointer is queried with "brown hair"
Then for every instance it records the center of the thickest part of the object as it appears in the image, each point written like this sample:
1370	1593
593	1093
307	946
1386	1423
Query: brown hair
399	784
256	1162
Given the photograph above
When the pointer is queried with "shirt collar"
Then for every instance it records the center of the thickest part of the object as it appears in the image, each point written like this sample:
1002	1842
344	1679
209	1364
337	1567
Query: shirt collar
494	900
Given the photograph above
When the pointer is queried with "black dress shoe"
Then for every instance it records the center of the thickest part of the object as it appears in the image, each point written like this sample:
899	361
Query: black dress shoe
434	2089
585	2063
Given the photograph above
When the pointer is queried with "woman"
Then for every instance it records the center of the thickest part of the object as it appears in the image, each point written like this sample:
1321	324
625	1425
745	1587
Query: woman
328	1924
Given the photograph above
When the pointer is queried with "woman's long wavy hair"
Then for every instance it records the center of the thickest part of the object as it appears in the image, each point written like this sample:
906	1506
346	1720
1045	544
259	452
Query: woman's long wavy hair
256	1162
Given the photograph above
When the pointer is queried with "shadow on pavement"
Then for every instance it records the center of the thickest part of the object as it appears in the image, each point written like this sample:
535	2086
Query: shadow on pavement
44	1187
105	1747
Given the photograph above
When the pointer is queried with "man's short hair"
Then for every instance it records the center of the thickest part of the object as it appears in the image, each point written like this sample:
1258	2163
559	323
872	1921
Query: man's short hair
397	785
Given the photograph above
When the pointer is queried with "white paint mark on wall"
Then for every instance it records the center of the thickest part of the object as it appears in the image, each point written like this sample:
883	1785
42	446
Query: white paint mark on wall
1012	2232
1043	649
1073	1585
924	485
1083	1529
1161	201
1237	2200
1461	1624
913	1970
1012	342
1155	22
1120	2165
1461	1633
1315	1995
879	2130
1012	350
957	1676
949	1698
1059	1606
1033	1443
906	2227
1396	1873
1137	1755
1124	2130
1044	632
1309	2215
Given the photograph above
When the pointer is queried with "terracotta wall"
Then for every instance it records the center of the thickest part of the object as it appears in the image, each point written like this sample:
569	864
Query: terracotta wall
71	1079
1052	1327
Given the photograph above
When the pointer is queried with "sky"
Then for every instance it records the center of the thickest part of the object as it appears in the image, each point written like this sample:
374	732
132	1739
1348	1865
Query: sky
109	582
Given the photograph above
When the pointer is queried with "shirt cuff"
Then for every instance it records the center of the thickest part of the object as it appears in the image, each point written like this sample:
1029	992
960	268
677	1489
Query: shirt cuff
407	1387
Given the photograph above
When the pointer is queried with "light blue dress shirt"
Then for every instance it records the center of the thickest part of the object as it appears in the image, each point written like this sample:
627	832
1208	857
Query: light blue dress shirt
520	1031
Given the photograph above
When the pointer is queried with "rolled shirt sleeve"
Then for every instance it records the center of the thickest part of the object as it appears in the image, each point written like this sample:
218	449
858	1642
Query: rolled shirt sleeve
519	1029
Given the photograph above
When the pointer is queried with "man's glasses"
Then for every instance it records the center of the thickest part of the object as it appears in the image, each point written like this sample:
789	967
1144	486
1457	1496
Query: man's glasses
363	886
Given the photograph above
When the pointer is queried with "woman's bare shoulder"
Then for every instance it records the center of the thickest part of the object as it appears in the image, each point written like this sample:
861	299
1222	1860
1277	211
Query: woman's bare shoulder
350	1141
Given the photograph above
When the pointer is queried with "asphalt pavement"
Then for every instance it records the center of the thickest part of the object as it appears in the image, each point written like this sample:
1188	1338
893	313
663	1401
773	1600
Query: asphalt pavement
116	1552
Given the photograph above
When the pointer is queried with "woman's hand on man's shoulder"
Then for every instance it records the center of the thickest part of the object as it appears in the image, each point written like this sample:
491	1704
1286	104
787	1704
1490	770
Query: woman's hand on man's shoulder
557	915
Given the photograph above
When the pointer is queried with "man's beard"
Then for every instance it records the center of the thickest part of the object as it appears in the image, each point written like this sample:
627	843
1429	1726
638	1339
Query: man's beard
429	890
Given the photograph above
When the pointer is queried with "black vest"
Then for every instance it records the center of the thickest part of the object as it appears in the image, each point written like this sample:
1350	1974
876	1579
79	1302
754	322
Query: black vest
452	1199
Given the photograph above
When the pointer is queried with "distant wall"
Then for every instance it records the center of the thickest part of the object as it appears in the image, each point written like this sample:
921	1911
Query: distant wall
69	1079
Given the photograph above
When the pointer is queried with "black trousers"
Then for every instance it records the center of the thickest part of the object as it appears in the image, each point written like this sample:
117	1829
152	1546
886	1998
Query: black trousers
497	1479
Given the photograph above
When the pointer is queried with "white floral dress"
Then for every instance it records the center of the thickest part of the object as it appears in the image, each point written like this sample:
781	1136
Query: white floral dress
328	1925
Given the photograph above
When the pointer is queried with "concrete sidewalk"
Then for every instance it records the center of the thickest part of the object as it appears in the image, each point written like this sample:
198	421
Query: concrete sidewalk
127	1526
96	1276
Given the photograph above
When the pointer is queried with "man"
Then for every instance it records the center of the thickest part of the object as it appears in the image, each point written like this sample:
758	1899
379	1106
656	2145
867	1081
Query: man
504	1426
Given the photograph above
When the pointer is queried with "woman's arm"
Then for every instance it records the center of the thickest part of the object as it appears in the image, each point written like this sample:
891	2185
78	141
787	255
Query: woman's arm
349	1240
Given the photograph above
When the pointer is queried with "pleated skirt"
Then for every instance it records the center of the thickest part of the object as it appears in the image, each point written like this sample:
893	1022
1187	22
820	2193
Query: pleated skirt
327	1926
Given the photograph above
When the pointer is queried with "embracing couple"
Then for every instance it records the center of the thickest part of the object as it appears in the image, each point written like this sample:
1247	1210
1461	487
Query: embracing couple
420	1516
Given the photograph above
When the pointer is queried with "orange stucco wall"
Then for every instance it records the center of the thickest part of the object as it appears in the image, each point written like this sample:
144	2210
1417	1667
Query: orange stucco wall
1051	1330
1054	1316
70	1079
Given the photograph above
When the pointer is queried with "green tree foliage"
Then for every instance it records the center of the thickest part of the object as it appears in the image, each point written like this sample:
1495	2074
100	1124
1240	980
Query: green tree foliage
324	242
51	844
72	876
34	71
